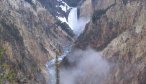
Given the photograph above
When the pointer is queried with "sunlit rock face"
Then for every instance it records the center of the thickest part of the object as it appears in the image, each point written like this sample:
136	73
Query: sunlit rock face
120	33
127	53
107	25
86	9
31	36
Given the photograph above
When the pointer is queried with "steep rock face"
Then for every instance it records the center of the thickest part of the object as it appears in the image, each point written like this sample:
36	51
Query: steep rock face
29	37
127	55
121	33
60	8
107	25
73	3
86	9
54	7
98	4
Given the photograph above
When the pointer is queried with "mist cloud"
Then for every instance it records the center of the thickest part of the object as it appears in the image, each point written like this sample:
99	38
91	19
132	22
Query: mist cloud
81	23
86	67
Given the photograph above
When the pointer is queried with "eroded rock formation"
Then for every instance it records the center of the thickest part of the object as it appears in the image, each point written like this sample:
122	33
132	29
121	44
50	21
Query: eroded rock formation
29	35
120	34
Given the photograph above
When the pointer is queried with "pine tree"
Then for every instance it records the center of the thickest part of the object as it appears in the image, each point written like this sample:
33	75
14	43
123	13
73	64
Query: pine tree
57	70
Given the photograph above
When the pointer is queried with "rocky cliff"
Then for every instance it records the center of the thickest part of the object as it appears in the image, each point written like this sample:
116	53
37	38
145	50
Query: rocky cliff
29	36
118	29
84	7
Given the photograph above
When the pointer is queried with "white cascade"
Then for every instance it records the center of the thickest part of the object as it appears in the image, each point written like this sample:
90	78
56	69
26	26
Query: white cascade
72	18
77	25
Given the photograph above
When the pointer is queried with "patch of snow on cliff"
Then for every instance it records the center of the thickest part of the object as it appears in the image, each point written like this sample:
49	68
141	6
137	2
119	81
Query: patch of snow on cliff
62	19
64	7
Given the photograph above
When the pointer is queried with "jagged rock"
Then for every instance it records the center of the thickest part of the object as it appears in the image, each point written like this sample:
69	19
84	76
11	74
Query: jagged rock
86	9
127	54
31	37
121	34
107	26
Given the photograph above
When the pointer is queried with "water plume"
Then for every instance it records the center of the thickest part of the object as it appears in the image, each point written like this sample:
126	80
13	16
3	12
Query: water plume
85	67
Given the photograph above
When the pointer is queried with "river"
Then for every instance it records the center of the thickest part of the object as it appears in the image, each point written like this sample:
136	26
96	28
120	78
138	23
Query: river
77	25
51	65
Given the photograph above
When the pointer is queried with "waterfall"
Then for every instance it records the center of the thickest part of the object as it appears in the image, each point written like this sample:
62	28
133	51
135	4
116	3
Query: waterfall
75	23
72	18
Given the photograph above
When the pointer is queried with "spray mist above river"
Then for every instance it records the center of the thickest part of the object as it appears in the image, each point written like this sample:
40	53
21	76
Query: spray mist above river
88	65
84	67
75	23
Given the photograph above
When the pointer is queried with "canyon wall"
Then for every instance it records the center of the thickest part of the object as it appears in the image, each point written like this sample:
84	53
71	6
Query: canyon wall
118	29
29	37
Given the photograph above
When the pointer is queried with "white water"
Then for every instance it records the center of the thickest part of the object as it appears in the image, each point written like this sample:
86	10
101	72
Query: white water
81	23
77	25
51	65
72	18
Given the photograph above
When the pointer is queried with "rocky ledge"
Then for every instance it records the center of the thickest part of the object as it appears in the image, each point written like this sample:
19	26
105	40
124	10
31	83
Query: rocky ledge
29	36
120	33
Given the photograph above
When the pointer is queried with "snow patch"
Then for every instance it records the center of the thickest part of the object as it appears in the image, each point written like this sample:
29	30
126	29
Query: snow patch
75	23
64	7
62	19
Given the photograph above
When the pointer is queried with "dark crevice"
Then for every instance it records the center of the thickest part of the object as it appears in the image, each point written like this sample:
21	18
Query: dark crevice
97	14
125	2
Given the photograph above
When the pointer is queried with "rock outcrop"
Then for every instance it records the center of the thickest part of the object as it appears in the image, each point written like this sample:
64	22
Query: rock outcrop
126	54
54	7
73	3
120	33
104	27
29	36
86	9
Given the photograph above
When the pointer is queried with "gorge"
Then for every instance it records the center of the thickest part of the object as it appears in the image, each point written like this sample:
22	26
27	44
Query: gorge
72	42
77	25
